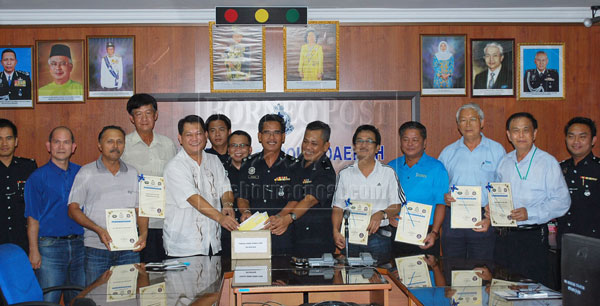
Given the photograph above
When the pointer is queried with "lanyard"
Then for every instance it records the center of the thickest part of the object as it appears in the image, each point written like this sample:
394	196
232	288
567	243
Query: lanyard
529	167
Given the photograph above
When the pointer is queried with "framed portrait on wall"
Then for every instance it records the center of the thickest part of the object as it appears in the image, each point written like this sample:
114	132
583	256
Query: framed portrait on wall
60	71
16	90
311	56
443	65
492	67
111	66
541	71
237	58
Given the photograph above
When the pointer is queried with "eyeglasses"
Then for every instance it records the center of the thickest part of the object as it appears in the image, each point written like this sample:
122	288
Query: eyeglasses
239	145
271	133
368	141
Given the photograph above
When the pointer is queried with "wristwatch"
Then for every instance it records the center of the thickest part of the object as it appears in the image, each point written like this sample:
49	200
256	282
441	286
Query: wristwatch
294	217
385	216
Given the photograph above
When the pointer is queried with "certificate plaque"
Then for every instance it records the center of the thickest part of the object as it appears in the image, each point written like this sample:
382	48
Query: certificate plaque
360	217
466	210
413	223
122	228
154	295
413	271
466	278
152	196
501	204
122	283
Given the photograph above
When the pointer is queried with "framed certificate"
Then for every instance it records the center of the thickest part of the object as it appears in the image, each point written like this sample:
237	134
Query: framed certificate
465	212
122	227
413	223
501	204
152	196
360	217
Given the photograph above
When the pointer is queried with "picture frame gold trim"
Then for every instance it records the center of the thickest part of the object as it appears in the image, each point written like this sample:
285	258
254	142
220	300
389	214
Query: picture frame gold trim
212	24
308	88
561	93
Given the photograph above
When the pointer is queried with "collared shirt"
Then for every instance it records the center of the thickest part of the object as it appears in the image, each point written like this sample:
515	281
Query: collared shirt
12	201
583	181
46	199
542	191
425	182
149	159
96	189
224	158
70	88
187	231
381	188
473	168
318	180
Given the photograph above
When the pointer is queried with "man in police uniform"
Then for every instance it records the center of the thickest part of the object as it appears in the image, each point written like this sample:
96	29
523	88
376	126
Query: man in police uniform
14	84
14	172
541	79
316	176
111	71
218	127
582	174
266	182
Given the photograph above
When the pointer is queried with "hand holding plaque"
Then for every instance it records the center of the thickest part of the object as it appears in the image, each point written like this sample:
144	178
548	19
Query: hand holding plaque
360	217
122	227
413	223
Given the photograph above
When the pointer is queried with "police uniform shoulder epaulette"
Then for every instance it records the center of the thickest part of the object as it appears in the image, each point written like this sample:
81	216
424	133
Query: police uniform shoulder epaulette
22	72
25	159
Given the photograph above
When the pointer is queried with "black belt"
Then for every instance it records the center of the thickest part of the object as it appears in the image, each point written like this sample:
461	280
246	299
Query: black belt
68	237
521	228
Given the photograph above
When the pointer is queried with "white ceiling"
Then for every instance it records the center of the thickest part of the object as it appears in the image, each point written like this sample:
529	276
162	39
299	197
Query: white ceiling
28	12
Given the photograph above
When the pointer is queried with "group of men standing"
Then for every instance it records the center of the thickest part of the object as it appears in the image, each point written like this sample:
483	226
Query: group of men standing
210	191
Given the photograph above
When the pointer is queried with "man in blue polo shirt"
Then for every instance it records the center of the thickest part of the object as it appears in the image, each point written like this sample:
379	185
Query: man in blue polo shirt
424	180
471	161
56	247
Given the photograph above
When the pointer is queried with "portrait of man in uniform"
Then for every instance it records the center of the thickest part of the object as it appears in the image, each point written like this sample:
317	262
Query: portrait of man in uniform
111	67
60	71
15	77
542	71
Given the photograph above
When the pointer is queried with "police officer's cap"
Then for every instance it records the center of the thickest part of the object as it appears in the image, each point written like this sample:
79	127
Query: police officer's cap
60	50
110	44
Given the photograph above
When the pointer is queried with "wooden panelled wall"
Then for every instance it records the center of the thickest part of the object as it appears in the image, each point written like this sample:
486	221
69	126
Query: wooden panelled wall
372	57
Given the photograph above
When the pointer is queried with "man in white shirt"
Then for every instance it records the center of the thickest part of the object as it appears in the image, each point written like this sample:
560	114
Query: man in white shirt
149	153
195	183
368	180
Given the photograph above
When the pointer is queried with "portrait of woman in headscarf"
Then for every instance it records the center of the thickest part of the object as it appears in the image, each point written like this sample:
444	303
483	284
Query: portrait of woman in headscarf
443	66
310	66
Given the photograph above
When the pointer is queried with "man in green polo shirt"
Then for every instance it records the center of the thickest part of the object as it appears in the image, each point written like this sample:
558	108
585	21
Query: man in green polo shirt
61	65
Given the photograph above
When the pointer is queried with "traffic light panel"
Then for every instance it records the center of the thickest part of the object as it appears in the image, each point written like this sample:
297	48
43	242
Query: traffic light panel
260	15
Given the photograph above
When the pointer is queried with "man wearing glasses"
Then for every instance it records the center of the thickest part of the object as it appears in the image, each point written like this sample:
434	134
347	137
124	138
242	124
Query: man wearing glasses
368	180
196	185
425	181
266	183
61	66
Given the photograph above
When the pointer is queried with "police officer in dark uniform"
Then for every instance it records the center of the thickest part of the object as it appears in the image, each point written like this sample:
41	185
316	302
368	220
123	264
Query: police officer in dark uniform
314	191
266	182
582	174
239	147
218	127
14	84
541	79
14	172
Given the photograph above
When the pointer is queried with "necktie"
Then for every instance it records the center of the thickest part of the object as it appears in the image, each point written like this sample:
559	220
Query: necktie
9	78
491	82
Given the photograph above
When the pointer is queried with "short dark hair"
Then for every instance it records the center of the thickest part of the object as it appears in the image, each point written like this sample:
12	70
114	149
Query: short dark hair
240	133
370	128
582	120
320	126
7	51
413	125
521	115
5	123
271	117
215	117
138	100
63	128
110	127
190	119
